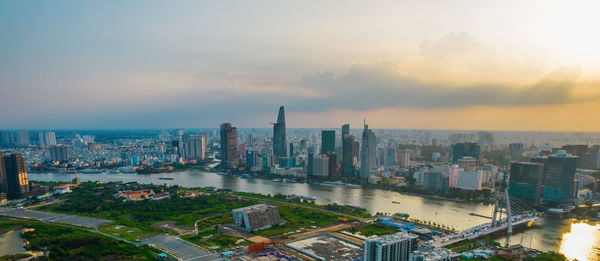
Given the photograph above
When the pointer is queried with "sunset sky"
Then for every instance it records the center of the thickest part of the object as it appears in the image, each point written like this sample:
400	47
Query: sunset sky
497	65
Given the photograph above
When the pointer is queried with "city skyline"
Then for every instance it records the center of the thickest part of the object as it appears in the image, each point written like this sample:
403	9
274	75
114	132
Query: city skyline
401	66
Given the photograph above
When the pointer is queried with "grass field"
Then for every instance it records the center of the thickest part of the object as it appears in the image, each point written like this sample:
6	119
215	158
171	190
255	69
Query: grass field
373	229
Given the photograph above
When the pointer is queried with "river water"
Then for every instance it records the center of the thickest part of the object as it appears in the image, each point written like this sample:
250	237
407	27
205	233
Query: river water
545	234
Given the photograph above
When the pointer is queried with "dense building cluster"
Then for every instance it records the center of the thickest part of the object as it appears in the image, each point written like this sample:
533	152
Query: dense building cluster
445	163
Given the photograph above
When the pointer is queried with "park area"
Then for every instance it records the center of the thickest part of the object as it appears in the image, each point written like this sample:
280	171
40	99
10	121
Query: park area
176	215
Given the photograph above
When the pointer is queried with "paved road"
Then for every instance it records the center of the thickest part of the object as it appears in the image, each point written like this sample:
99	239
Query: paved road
186	251
53	217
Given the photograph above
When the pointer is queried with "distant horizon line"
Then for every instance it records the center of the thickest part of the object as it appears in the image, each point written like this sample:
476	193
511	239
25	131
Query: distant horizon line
319	128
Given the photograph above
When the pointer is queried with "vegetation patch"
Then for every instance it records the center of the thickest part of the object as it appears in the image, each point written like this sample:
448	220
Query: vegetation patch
373	229
67	243
14	257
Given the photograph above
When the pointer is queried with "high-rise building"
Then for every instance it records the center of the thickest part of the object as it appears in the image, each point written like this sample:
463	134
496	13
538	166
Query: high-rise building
279	135
579	150
46	138
327	141
3	184
404	158
345	131
252	159
16	176
515	150
368	154
559	176
59	153
229	154
194	147
461	150
23	138
350	155
320	166
434	181
7	138
526	181
486	140
394	247
387	157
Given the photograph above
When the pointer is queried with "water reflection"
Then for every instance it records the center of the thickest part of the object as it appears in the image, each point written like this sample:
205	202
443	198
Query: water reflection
581	242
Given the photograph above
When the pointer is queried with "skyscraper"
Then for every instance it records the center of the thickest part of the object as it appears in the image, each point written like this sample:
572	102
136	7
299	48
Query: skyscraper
327	141
46	138
3	185
229	145
345	131
559	176
279	139
23	137
515	150
350	151
16	176
368	152
526	181
194	147
59	153
7	138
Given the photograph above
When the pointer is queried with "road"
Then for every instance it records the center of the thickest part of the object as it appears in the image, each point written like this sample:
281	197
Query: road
186	251
180	248
53	217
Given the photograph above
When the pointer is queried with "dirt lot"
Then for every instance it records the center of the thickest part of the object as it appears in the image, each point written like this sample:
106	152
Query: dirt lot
170	225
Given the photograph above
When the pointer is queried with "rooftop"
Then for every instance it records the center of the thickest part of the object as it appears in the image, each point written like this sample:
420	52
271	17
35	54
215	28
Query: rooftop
392	238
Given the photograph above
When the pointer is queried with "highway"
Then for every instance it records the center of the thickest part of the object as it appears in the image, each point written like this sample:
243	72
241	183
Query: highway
53	217
180	248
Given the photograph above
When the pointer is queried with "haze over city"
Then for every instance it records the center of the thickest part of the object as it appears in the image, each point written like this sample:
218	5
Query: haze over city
513	65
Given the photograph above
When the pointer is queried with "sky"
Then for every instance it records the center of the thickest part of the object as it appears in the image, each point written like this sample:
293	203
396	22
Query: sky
481	65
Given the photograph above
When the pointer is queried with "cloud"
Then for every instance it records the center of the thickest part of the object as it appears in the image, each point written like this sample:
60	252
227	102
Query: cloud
381	85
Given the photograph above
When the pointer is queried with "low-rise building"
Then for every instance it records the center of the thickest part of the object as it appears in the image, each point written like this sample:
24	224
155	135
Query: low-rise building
135	194
436	254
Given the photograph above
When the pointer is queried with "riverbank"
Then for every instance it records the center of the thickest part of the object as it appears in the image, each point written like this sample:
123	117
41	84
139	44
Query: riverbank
353	182
545	236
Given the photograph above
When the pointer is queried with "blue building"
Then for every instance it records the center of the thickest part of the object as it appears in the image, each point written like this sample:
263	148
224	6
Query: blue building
559	178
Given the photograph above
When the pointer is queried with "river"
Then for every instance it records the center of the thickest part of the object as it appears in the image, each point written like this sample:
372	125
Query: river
545	234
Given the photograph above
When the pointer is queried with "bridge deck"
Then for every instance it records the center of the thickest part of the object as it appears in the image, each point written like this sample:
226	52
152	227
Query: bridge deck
479	231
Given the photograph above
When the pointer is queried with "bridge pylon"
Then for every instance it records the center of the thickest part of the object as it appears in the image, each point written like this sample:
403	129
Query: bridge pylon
502	204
